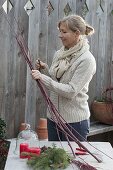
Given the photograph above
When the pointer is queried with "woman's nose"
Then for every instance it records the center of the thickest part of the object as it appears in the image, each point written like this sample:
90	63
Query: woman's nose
60	35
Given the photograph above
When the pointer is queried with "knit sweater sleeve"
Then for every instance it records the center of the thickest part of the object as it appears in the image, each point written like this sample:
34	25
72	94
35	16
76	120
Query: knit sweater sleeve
82	75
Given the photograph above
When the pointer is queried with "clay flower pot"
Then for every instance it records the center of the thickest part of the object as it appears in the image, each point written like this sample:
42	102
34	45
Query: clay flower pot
22	127
42	123
103	111
42	129
42	133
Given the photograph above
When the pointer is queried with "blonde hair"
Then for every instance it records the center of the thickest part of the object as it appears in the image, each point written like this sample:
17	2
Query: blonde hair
75	22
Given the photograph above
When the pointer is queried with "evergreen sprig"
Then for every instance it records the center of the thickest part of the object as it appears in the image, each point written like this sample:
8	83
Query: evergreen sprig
2	128
51	158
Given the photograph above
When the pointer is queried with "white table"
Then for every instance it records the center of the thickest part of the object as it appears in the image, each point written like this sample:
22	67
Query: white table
14	162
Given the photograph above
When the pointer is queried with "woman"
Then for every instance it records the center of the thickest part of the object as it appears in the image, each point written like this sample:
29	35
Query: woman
71	71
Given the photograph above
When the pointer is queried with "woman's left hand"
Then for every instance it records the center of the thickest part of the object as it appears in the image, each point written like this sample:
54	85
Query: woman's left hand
36	74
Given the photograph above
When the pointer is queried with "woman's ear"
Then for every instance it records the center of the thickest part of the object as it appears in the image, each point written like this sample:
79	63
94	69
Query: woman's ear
77	35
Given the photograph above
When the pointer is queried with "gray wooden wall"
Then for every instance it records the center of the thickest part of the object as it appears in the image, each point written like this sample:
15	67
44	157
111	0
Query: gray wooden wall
20	99
12	68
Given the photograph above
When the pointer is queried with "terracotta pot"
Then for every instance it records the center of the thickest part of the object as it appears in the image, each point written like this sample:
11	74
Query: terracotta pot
42	123
22	127
103	112
42	133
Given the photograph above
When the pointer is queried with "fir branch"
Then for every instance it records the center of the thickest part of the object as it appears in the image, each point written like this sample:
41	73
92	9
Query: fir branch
51	158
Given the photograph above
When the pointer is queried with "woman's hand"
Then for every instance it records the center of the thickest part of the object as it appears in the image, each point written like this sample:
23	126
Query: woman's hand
40	65
36	75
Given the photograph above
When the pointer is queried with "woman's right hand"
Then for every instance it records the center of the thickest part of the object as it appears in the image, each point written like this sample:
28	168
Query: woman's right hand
40	65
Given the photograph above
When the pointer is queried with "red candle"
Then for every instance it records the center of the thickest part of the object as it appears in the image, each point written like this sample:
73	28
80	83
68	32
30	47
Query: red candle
35	150
23	148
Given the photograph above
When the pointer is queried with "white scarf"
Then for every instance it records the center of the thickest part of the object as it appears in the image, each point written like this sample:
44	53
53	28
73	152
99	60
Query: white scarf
61	61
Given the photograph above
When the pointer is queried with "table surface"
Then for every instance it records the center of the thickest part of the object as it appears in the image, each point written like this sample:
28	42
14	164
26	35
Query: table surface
14	162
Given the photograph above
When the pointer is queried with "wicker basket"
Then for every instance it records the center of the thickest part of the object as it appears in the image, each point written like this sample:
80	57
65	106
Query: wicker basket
103	112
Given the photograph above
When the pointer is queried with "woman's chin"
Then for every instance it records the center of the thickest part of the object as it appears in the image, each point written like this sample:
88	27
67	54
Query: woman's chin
65	45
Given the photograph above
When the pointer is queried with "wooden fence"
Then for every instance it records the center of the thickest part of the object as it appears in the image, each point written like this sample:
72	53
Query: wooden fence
20	99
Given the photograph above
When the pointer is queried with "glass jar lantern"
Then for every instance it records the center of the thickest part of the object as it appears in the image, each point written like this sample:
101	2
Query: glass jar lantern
26	136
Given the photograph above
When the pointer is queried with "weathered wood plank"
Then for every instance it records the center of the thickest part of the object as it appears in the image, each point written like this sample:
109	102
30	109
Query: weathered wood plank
43	49
33	43
37	44
52	31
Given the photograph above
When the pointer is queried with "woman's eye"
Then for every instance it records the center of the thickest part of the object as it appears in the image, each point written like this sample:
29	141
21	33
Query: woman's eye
63	32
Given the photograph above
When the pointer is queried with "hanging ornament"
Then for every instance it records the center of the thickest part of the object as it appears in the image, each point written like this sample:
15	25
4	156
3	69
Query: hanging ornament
7	6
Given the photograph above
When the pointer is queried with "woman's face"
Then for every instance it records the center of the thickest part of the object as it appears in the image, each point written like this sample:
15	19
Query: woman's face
68	37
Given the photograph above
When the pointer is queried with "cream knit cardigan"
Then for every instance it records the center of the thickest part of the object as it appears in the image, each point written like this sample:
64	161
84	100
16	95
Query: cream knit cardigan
70	94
